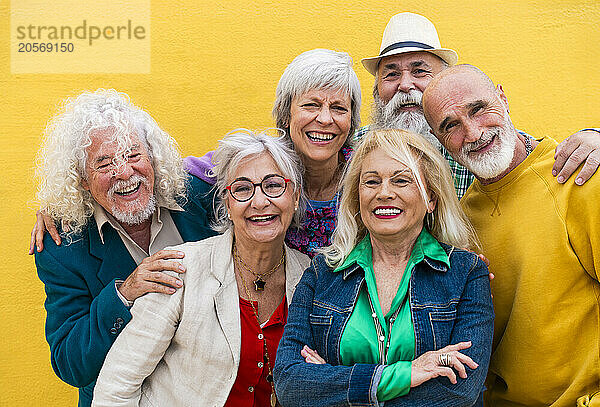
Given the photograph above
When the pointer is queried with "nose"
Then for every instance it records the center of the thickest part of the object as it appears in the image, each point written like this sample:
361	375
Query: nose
385	191
324	116
405	83
124	171
259	200
472	131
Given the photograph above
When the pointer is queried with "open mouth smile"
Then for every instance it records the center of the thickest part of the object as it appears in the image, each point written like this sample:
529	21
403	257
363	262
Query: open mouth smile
387	212
128	189
319	137
261	218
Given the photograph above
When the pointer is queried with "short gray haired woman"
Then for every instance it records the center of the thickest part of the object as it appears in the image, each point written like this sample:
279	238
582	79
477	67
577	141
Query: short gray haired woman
318	107
214	341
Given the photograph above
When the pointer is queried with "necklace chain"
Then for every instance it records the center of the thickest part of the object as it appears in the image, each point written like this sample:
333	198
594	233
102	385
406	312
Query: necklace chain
259	282
266	357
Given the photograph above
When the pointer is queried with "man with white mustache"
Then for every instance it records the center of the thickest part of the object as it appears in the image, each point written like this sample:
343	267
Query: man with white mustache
115	184
410	57
542	240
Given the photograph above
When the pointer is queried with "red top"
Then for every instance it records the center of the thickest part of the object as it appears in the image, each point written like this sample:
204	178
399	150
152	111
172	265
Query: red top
251	388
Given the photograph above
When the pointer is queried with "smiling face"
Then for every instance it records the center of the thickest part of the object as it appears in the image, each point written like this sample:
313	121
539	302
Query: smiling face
122	183
391	205
320	120
406	72
260	219
470	118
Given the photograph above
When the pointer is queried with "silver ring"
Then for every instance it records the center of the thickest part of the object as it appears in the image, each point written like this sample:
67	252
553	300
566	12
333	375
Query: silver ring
445	359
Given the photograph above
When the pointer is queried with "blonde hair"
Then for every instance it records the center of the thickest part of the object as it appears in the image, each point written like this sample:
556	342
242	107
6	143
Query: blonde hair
447	223
61	160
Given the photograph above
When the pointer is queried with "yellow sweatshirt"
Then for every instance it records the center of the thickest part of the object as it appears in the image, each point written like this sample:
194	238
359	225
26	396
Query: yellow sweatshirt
543	243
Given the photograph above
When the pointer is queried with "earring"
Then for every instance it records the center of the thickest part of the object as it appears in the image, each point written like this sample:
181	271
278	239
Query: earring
228	216
429	220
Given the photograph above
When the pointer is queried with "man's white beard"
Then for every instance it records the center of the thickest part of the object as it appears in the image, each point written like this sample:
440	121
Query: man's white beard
389	116
133	214
497	160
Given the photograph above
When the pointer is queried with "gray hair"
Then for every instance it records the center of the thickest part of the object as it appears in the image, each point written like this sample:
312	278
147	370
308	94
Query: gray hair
239	144
317	69
61	160
448	223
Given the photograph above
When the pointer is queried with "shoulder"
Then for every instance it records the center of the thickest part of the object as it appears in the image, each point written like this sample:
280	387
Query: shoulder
464	261
297	258
198	189
73	250
200	248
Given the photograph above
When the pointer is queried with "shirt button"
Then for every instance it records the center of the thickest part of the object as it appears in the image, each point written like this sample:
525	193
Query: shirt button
120	320
260	364
382	338
374	315
260	336
250	389
113	331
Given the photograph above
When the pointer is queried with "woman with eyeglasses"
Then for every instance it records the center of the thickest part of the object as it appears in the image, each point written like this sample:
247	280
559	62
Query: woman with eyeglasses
214	341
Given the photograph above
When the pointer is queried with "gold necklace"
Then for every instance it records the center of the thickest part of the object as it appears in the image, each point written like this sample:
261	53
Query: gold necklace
259	282
267	359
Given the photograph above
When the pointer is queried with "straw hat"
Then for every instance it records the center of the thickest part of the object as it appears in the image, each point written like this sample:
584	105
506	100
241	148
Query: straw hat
409	32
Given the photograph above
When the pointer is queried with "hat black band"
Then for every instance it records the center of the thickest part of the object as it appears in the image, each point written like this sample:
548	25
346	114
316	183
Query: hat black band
405	44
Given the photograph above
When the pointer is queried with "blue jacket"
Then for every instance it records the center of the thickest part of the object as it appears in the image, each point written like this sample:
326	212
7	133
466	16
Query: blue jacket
447	306
84	313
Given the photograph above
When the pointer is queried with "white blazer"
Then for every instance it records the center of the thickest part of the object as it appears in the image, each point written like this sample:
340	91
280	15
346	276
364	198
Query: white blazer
184	349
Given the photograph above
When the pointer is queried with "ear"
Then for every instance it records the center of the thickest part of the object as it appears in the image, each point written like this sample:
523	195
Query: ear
502	96
432	202
84	184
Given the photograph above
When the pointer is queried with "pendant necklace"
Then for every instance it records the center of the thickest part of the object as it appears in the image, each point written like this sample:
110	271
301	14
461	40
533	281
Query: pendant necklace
259	282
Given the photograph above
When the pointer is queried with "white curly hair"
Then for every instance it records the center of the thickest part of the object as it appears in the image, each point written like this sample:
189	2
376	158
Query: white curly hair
61	160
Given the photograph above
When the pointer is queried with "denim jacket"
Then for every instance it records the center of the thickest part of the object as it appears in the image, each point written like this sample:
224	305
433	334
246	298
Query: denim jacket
448	305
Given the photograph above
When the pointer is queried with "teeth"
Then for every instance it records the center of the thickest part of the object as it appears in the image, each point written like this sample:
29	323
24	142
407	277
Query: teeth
410	105
127	188
388	211
261	218
320	136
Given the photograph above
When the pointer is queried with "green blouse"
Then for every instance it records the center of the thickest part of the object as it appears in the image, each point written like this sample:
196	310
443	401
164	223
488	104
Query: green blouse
360	341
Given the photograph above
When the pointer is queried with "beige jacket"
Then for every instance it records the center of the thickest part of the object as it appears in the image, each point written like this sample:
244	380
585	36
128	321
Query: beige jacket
184	349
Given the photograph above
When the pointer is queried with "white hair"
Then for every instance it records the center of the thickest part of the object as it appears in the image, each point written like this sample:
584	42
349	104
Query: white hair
61	160
447	223
240	144
317	69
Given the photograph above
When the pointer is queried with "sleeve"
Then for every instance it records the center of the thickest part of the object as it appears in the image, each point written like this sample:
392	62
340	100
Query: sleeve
475	323
79	328
298	383
583	224
138	350
395	380
200	167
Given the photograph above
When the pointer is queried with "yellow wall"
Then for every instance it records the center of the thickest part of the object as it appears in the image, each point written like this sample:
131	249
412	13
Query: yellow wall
215	66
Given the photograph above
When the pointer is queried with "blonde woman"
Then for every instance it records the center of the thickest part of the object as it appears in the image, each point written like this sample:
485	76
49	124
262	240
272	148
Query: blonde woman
392	311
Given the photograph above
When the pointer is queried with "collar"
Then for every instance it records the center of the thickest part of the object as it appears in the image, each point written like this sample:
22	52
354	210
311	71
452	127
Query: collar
426	249
101	216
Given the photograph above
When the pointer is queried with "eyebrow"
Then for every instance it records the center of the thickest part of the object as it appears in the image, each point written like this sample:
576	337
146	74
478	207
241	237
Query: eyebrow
397	172
264	178
414	64
443	124
477	103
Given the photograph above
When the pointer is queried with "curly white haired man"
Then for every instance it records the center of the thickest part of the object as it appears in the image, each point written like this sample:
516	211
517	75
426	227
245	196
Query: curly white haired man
114	183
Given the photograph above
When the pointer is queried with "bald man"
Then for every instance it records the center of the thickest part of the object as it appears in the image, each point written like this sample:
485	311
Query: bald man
542	240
